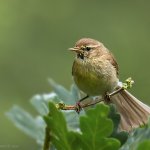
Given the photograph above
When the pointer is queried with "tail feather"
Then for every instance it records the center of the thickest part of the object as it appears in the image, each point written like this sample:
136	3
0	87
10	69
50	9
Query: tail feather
133	112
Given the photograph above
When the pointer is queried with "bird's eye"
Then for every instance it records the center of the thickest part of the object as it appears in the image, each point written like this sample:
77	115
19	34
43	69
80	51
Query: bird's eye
87	48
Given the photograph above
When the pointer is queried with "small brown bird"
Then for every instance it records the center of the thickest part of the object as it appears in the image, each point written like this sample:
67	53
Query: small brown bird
95	72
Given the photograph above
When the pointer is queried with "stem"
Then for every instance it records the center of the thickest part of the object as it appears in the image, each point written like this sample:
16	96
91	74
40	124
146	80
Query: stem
115	92
62	106
47	139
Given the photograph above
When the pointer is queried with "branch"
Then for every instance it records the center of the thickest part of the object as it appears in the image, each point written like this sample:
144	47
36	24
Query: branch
63	106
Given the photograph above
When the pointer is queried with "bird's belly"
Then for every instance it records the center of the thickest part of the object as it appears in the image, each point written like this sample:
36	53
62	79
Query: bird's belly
92	84
91	87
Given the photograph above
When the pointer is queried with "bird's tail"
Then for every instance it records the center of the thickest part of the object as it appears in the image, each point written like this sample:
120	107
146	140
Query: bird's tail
133	112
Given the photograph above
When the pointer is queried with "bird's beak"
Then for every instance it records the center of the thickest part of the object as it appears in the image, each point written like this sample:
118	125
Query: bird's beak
75	49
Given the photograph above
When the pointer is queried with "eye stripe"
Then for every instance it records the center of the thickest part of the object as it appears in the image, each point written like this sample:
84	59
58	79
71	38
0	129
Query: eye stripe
86	48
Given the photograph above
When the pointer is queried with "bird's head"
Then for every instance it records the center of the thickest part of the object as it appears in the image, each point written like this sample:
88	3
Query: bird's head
87	48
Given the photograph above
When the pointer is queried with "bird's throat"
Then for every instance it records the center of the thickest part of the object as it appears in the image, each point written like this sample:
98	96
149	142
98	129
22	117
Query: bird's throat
81	56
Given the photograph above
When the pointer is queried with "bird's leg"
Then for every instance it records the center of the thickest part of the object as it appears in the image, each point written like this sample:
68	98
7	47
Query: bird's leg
107	97
78	106
83	98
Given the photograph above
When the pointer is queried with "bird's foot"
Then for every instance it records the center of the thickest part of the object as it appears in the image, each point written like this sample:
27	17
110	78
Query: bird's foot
78	107
107	97
78	104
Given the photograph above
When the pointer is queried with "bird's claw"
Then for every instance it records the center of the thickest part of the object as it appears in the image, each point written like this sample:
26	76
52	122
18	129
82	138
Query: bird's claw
78	107
107	97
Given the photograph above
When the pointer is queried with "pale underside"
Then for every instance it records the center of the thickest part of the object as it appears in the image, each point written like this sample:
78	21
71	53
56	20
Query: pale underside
94	76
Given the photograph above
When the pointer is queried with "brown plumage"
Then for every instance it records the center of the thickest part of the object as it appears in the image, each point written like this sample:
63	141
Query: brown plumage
95	72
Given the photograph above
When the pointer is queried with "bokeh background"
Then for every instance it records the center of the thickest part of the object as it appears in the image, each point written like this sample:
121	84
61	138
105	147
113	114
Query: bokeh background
35	36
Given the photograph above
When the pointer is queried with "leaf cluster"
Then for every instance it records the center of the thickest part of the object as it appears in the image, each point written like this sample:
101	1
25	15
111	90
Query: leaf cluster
94	128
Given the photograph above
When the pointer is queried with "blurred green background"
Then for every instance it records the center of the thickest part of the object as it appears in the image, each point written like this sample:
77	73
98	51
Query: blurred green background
35	36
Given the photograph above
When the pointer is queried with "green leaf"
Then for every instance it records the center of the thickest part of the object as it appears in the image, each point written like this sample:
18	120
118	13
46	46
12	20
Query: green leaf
115	117
68	97
25	122
75	94
40	102
136	137
57	124
61	92
145	145
96	128
72	119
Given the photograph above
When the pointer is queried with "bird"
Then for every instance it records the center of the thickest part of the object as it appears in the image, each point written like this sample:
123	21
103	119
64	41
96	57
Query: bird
95	71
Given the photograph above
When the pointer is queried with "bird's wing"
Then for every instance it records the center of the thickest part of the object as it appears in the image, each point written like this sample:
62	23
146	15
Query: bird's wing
113	61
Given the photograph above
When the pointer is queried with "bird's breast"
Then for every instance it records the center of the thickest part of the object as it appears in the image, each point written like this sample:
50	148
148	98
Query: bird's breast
94	78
